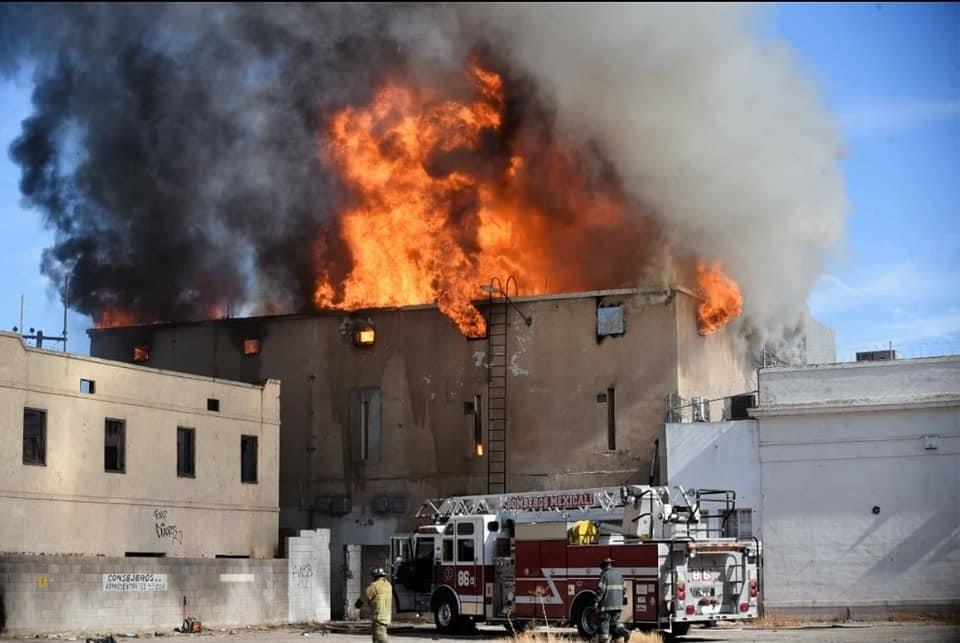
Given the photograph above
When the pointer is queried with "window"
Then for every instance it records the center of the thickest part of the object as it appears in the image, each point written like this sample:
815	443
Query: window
88	387
113	446
141	353
34	436
612	419
448	550
186	458
251	347
609	320
465	544
364	422
213	404
248	458
424	549
465	550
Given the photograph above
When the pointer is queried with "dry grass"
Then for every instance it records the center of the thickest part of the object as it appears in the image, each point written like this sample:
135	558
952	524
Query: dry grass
553	637
914	617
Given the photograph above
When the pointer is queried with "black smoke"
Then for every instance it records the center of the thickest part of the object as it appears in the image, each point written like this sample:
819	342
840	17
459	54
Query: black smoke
173	148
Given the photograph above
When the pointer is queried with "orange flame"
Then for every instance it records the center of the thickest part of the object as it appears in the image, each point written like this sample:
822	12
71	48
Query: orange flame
722	300
435	214
111	316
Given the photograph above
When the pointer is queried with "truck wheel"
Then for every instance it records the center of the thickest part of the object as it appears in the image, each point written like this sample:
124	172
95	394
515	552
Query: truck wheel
445	614
679	629
587	619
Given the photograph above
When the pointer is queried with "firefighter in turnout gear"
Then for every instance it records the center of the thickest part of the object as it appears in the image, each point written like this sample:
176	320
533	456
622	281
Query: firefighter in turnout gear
379	596
610	602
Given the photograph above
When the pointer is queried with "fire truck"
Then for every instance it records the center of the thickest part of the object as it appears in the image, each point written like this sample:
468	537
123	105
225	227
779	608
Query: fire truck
524	559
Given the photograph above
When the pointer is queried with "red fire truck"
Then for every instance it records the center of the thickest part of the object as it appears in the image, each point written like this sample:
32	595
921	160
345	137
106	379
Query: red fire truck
533	558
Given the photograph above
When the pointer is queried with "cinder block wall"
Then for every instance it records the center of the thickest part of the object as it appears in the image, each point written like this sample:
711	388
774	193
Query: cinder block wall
80	594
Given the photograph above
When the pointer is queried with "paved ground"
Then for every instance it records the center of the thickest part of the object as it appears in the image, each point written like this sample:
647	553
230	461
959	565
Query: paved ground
849	633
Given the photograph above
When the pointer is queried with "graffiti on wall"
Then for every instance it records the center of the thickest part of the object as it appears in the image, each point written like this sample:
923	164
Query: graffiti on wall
166	531
302	574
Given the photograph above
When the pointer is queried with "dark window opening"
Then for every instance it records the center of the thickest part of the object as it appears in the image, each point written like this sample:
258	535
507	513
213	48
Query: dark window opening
251	347
612	419
213	404
144	554
364	423
88	387
365	430
248	458
113	447
477	427
447	553
34	436
141	353
465	550
186	458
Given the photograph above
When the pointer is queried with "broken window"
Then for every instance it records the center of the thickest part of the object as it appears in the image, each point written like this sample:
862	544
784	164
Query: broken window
114	446
88	387
609	320
364	420
248	458
34	436
251	347
186	458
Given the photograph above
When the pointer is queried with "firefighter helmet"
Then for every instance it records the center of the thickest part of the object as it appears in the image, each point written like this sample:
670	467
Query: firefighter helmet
377	572
606	562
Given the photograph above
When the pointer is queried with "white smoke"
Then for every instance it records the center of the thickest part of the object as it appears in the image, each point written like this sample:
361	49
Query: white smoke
717	130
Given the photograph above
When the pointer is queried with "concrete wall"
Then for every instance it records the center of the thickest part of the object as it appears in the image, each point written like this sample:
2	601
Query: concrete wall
716	455
308	586
861	492
891	382
77	593
71	505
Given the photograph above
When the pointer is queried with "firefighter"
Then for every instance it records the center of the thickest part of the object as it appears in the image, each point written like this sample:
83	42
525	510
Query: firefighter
610	602
379	597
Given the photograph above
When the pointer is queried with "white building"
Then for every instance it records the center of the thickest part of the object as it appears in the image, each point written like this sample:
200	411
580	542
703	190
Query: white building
112	459
858	471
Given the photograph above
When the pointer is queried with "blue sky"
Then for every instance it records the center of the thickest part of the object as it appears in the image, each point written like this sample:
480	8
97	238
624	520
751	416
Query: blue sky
891	75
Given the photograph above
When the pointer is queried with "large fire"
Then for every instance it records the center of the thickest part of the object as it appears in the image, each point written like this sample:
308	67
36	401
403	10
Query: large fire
722	300
428	225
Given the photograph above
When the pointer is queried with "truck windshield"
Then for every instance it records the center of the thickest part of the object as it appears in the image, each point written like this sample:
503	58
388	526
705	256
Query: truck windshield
425	549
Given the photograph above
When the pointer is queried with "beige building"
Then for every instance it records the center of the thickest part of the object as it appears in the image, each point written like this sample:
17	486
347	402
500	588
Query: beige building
384	408
105	458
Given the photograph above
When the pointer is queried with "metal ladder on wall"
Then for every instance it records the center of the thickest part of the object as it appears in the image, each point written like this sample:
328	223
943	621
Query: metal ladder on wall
497	387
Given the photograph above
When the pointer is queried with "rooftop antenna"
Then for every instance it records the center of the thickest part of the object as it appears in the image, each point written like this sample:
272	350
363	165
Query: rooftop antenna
37	334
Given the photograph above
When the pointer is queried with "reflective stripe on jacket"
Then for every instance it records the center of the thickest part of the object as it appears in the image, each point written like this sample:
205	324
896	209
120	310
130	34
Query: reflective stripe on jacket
379	596
610	591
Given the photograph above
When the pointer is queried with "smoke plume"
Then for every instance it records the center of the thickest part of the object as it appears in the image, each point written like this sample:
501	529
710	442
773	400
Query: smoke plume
176	151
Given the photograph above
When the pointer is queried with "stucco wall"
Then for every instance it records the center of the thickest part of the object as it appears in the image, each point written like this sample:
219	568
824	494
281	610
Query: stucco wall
71	505
557	435
713	366
861	486
716	455
822	477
